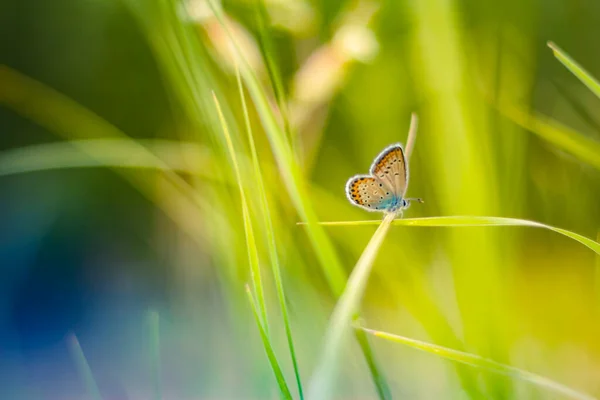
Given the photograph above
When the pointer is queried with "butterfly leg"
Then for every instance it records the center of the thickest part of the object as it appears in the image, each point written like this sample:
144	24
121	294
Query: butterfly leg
398	214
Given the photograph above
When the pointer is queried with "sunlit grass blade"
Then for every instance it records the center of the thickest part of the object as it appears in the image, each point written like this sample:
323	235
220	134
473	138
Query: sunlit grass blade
379	380
83	367
291	175
283	387
383	390
473	221
108	153
289	168
412	135
62	115
572	65
267	50
248	230
70	120
154	325
580	146
483	363
323	379
597	273
577	103
183	61
271	243
290	171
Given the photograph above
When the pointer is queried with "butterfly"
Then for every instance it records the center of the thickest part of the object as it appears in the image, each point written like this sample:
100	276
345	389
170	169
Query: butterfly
384	188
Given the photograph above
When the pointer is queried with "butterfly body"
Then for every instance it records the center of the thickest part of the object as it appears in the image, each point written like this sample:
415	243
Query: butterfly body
384	189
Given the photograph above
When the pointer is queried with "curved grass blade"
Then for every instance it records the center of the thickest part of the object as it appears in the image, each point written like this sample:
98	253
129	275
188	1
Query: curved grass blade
248	230
64	117
483	363
283	387
109	153
381	385
412	135
266	47
473	221
585	77
568	139
271	243
154	324
289	168
83	367
346	309
576	103
322	383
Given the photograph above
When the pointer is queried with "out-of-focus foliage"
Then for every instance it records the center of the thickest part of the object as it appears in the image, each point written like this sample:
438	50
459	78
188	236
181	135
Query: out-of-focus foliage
119	196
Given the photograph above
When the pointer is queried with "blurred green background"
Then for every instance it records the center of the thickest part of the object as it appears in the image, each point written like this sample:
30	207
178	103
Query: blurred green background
120	202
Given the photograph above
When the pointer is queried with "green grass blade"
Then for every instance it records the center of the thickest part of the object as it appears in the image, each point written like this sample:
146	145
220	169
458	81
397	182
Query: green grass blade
289	169
580	146
576	69
154	322
83	367
597	273
183	61
377	376
248	230
483	363
322	382
68	119
62	115
383	390
577	103
266	47
412	135
109	153
472	221
271	243
283	387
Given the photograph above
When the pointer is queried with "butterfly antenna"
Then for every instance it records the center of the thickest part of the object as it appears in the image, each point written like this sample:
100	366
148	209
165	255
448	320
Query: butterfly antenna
418	200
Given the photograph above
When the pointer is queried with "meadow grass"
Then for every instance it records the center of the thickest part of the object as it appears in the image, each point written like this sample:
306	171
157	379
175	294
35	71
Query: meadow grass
348	303
585	77
248	229
271	196
83	368
564	137
292	178
69	120
482	363
323	380
283	387
474	221
154	350
585	149
270	239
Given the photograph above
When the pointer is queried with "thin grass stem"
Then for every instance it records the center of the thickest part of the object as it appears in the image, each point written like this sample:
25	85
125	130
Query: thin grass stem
83	367
270	233
322	382
483	363
154	324
472	221
412	135
283	387
248	230
584	76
